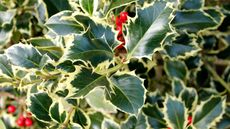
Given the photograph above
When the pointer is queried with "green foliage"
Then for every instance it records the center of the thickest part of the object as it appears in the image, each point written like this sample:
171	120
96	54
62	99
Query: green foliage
65	62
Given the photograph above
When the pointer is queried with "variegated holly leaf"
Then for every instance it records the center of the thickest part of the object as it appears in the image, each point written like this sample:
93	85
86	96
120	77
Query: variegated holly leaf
63	23
40	101
42	13
89	6
109	124
192	4
97	100
118	3
5	66
155	116
47	46
177	86
56	114
176	69
5	81
215	14
193	21
175	113
67	66
209	112
130	90
181	46
139	122
98	29
190	98
75	126
86	80
180	50
80	117
149	29
96	120
5	34
224	123
96	50
6	17
193	62
23	23
25	56
55	6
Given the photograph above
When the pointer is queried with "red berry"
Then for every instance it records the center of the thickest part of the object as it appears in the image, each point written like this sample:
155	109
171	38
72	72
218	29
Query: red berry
119	29
21	121
189	120
118	21
11	109
169	128
28	122
123	17
121	38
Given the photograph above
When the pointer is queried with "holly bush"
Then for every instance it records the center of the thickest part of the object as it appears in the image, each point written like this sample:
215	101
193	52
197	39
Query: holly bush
115	64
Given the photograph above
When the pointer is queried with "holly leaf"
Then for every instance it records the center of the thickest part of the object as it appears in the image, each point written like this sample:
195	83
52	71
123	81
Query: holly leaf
135	123
224	123
56	114
24	55
95	50
190	98
39	105
66	66
5	34
192	4
6	17
5	66
96	120
180	50
86	80
98	29
55	6
63	23
97	100
215	14
42	12
155	116
149	29
175	113
177	87
176	69
109	124
130	90
209	112
193	21
118	3
47	46
79	117
89	6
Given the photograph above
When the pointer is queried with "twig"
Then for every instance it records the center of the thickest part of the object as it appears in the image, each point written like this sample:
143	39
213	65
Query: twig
217	77
68	118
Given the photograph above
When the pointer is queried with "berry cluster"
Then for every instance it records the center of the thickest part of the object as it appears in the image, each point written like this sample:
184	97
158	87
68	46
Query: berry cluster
120	50
120	20
22	121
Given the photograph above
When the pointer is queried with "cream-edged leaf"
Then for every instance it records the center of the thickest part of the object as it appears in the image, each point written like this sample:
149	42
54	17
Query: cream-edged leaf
209	112
130	90
149	29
